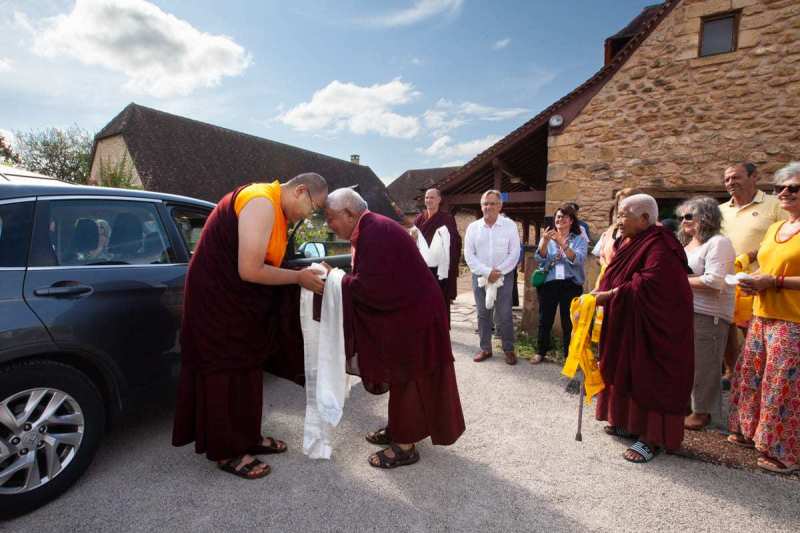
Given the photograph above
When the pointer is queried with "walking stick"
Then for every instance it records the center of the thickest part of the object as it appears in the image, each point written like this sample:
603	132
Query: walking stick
578	436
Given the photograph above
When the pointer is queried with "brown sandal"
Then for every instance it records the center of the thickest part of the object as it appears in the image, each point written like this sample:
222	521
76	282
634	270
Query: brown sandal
247	470
739	440
380	437
401	457
274	446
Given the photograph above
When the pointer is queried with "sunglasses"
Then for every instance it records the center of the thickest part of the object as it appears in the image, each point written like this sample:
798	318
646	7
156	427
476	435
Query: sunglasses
687	217
793	189
313	207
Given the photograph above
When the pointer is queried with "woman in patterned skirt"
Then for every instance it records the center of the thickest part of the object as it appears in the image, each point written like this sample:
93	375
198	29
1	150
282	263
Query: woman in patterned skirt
765	410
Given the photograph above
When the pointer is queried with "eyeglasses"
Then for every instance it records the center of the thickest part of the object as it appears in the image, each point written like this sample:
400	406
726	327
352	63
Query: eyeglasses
793	189
313	207
687	217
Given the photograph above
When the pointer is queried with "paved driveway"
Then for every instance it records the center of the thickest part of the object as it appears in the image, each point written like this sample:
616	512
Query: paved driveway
517	468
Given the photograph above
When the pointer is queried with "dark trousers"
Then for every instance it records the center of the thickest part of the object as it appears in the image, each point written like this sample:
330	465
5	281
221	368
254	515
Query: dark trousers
557	293
442	285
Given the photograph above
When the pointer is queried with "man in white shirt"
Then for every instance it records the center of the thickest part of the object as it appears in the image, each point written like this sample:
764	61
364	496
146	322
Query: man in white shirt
491	249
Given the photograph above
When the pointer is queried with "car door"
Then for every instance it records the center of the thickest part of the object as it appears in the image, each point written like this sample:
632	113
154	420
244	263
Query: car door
106	280
21	332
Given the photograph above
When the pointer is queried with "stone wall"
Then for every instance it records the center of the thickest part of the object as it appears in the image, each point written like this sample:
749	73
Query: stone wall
670	119
110	151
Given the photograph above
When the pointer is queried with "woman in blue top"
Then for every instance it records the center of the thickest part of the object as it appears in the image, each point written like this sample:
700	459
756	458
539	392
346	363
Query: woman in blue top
562	250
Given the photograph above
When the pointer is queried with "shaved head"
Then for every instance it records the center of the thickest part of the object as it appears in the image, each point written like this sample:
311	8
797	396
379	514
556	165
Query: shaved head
346	199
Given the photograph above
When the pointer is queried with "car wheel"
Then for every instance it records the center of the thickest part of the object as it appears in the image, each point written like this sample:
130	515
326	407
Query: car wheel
51	420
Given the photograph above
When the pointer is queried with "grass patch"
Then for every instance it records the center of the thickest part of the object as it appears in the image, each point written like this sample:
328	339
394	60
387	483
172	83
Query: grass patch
527	347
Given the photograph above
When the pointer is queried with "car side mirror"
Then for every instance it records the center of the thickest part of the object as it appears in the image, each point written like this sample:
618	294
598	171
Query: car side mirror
313	250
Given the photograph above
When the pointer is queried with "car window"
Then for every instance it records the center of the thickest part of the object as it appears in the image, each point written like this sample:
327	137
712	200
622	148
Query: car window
100	232
15	233
190	223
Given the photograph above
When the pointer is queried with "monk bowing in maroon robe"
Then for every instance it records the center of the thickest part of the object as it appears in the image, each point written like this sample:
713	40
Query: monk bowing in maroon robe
647	339
229	314
428	222
396	331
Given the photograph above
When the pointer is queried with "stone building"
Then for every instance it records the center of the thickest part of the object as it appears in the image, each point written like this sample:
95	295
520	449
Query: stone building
688	87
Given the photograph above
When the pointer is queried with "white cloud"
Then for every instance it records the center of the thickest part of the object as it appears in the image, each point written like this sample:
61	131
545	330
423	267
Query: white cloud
443	147
502	43
420	10
447	115
416	61
358	109
6	65
160	54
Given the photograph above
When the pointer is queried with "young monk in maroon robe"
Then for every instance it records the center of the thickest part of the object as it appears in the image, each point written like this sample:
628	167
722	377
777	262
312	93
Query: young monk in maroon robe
428	222
647	339
229	312
396	331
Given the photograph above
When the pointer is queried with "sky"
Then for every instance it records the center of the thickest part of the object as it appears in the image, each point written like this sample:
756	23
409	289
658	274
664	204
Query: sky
403	83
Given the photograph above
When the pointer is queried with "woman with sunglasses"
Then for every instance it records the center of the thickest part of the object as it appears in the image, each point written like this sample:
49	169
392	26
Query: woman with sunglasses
766	381
711	258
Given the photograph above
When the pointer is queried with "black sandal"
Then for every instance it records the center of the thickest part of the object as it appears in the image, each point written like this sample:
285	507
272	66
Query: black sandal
380	437
401	457
246	470
276	446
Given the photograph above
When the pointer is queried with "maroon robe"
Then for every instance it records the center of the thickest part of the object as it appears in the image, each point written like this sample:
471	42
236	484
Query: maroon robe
229	329
396	333
647	342
428	227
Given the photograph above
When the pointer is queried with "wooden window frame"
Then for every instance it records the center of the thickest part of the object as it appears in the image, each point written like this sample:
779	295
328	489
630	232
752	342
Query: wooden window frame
736	15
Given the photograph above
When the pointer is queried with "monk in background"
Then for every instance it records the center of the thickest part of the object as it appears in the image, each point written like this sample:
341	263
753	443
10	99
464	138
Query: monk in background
646	351
396	332
430	220
230	320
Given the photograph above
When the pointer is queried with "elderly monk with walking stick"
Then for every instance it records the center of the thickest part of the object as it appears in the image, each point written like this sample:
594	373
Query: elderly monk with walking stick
396	332
230	310
646	351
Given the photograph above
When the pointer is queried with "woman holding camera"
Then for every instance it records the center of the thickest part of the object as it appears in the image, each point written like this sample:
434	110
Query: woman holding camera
562	252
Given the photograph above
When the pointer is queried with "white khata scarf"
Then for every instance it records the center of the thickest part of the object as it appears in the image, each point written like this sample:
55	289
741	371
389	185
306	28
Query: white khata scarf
437	255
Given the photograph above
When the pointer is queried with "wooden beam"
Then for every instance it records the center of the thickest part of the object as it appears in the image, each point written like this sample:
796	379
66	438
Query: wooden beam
518	197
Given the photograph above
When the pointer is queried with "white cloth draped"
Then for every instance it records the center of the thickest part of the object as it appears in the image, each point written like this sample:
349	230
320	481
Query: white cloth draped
327	384
437	254
491	289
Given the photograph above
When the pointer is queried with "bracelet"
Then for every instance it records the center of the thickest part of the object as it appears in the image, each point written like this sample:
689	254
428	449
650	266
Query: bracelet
779	282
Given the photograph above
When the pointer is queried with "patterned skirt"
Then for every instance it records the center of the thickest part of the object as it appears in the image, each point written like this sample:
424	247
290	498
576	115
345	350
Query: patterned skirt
765	399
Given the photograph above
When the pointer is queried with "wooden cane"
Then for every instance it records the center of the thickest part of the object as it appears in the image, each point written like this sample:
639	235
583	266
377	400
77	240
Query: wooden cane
578	436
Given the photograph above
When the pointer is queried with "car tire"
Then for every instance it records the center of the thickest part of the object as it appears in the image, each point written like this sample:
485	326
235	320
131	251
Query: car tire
80	415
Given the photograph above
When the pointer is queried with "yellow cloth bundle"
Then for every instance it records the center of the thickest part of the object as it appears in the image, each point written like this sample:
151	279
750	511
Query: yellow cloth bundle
582	311
743	308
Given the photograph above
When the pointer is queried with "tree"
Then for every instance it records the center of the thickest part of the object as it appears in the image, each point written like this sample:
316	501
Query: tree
63	154
7	154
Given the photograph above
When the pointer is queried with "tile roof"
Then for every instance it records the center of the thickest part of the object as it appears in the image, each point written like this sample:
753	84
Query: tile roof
409	185
179	155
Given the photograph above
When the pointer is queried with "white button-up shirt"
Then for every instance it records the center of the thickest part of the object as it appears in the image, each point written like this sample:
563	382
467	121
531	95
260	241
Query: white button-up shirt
492	247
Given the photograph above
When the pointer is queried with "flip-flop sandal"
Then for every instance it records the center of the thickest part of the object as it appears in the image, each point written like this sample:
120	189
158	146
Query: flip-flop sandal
246	470
739	440
645	453
380	437
773	465
276	446
615	431
401	458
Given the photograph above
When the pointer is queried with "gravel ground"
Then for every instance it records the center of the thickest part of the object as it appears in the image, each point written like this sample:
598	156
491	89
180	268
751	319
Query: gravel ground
517	468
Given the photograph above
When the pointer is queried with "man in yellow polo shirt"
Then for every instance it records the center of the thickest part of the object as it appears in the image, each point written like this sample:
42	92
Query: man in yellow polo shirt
745	219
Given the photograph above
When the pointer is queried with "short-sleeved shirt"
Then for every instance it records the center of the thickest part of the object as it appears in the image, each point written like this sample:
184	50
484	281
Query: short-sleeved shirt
745	226
778	259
